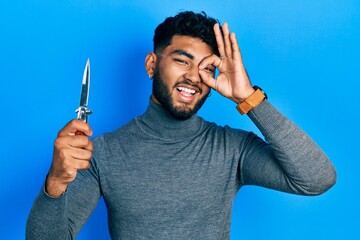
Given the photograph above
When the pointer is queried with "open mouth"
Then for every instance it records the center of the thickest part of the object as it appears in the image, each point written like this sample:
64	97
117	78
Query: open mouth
186	91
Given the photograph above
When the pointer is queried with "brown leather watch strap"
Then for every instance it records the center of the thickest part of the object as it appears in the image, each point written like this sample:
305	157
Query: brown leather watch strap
251	102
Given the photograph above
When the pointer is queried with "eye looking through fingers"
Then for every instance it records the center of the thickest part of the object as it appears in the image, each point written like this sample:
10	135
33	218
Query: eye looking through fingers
209	69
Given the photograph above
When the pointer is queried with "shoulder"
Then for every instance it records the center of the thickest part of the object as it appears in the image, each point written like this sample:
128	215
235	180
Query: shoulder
126	128
113	138
225	131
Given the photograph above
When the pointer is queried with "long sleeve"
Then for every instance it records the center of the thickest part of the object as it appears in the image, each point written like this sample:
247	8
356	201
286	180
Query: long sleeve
63	217
288	161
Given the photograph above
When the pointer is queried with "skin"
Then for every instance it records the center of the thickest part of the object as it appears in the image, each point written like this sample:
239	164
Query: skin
177	83
232	81
187	63
71	153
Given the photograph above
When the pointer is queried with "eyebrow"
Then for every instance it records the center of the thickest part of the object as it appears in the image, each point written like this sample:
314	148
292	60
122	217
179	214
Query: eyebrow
182	52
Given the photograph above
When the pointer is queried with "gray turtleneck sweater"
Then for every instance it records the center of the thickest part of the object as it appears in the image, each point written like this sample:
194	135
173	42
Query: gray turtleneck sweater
162	178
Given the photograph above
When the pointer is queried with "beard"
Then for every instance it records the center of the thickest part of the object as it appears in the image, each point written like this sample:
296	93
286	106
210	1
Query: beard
162	93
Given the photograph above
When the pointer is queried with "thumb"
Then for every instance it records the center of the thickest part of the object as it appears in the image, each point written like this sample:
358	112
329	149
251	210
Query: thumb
207	79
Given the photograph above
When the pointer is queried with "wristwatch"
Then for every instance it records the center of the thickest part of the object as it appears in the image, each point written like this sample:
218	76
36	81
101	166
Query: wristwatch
252	101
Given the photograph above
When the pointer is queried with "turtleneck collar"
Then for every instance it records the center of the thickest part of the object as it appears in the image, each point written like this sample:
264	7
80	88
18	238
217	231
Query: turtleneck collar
157	121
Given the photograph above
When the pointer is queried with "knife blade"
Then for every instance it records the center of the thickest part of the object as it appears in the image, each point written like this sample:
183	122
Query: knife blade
83	111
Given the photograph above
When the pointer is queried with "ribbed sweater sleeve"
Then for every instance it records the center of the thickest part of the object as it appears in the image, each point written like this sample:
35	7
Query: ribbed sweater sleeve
62	217
47	219
289	160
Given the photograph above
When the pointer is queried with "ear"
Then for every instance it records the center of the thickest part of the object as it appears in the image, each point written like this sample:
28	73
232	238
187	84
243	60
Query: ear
150	64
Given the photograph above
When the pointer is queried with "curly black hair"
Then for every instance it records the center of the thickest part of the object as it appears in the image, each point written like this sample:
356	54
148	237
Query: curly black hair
186	23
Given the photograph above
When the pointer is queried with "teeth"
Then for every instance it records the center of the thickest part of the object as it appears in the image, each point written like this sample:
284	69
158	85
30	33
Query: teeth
191	91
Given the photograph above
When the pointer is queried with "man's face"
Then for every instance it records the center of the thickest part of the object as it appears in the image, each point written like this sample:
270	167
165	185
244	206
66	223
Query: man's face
176	81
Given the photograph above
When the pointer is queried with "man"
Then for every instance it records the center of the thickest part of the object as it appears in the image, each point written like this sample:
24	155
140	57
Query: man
169	174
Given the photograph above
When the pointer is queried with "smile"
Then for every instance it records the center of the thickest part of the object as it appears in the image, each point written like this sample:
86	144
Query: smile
186	90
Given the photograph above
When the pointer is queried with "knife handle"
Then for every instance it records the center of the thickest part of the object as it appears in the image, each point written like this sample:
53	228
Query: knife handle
83	113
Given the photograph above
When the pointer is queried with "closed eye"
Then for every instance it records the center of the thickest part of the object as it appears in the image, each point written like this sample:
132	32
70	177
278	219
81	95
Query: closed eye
181	61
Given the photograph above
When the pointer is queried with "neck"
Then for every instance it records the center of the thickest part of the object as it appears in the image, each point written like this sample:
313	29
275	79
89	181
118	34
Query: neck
159	122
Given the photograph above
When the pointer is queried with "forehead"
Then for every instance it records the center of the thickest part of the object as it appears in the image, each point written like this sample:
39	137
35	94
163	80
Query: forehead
194	46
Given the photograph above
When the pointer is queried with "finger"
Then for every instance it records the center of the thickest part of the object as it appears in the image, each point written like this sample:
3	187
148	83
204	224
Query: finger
69	155
210	60
82	165
227	43
71	165
74	126
207	79
78	141
219	39
235	47
81	154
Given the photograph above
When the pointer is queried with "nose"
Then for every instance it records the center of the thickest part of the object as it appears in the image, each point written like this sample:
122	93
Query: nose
193	74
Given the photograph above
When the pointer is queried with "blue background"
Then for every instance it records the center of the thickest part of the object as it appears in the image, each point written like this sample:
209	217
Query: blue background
305	54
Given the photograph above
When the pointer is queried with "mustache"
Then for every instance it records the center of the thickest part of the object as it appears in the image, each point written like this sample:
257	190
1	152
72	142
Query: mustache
188	82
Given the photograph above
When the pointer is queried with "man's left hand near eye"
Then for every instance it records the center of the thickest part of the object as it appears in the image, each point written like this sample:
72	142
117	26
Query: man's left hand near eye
232	81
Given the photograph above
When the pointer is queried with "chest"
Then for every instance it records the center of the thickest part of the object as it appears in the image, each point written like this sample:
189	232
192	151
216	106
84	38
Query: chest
151	179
